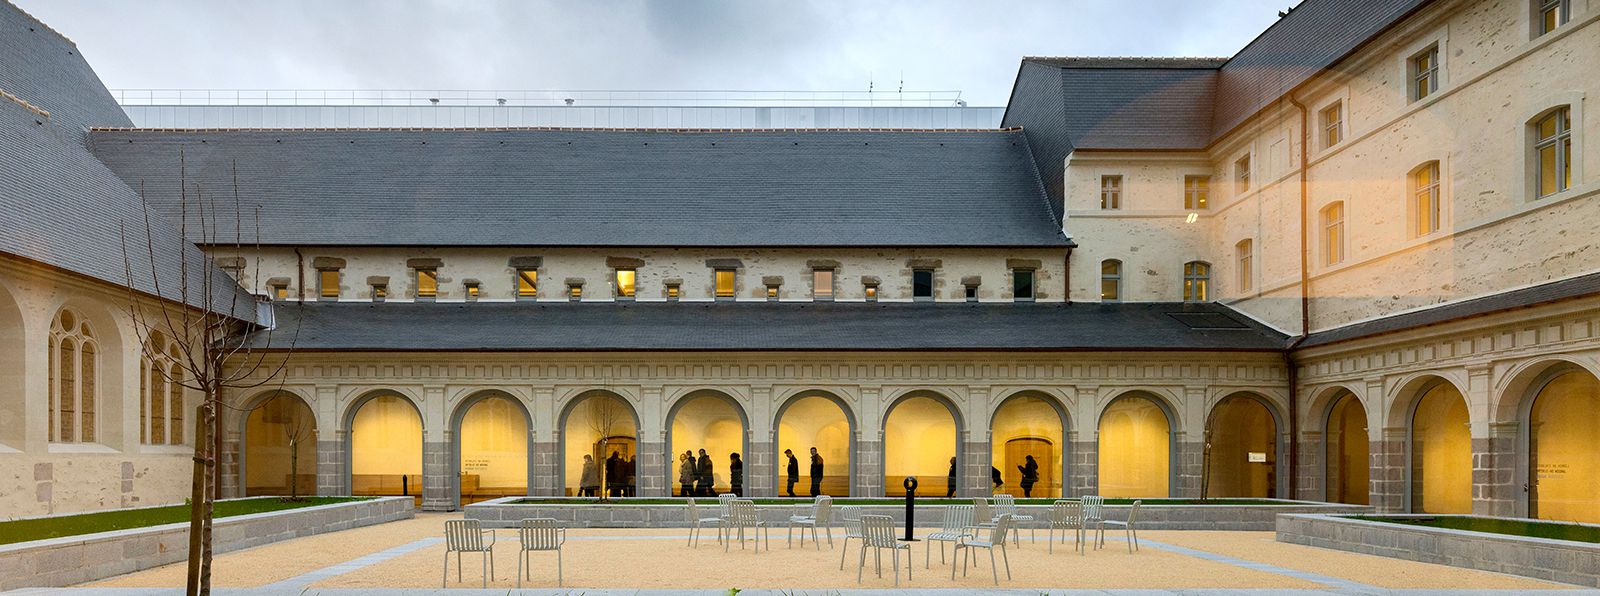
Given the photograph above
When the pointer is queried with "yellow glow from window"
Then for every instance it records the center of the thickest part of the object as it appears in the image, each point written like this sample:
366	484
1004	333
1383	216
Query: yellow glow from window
815	421
494	451
427	283
527	283
919	438
822	283
1348	466
598	426
380	291
574	292
267	454
1240	426
1441	453
672	291
328	282
724	282
772	291
872	292
386	446
280	292
472	291
1026	426
625	282
712	424
1564	450
1134	449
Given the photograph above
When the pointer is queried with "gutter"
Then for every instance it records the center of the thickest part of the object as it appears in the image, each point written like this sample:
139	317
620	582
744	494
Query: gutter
1305	301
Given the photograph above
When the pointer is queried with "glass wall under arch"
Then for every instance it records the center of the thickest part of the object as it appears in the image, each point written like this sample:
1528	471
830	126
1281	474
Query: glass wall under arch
494	450
1441	453
712	424
1027	426
1564	450
386	448
919	439
1135	449
1348	465
1243	456
814	421
602	447
280	448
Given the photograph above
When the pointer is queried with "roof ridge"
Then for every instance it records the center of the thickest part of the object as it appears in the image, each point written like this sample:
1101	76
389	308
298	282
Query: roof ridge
559	129
41	23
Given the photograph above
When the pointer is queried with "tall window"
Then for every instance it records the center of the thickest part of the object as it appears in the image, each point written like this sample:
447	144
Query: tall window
1111	192
1332	121
724	279
1021	285
328	283
1196	192
1552	151
1425	198
1244	254
1110	280
1241	175
625	282
427	284
922	284
527	283
1550	14
1196	281
74	377
160	393
1425	73
1333	239
822	284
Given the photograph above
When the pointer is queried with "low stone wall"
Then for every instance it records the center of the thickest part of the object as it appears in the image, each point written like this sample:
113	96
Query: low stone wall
1541	558
502	513
69	560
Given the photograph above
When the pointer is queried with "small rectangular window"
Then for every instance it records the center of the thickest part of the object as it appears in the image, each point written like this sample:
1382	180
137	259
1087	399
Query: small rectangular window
822	284
1425	73
772	293
472	292
1551	14
328	283
575	292
1425	198
427	283
922	284
1022	284
672	292
1332	120
1196	192
1196	281
1111	192
625	282
1110	280
1553	152
527	283
1245	254
724	279
380	292
280	292
872	293
1241	175
1333	234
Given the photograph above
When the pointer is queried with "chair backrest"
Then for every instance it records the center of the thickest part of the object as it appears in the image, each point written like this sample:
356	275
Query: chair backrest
1094	507
463	534
1066	512
539	533
1001	527
1005	504
822	510
957	518
850	515
981	511
691	514
878	530
1133	514
723	500
742	512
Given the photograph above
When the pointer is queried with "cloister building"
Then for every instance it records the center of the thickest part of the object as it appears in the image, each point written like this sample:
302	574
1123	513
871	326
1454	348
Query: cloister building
1354	262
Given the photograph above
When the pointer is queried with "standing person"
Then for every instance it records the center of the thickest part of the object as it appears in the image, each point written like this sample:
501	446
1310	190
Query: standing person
1030	475
628	476
613	468
686	474
708	472
589	484
793	469
816	473
950	479
736	475
994	476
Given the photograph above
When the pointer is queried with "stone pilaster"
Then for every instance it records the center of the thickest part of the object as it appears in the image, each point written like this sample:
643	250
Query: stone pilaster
1496	490
546	469
1310	479
1389	471
869	468
974	481
231	486
648	479
1186	465
759	470
332	480
437	484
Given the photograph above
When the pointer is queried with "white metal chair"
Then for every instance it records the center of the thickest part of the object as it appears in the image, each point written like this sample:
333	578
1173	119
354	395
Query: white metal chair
1005	504
466	536
982	513
997	538
1094	515
540	534
692	515
725	507
1066	514
1132	532
850	518
957	525
743	515
878	534
821	517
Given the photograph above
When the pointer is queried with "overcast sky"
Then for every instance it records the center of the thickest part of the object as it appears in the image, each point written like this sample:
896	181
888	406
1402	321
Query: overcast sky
971	45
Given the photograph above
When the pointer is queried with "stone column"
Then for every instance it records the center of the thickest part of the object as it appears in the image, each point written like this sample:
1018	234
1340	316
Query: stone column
546	445
229	460
759	467
869	445
1389	471
333	478
1310	482
976	446
1189	444
1496	489
1083	474
437	483
650	465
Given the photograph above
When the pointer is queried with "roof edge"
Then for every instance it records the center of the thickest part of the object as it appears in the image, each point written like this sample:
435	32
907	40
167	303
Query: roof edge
558	129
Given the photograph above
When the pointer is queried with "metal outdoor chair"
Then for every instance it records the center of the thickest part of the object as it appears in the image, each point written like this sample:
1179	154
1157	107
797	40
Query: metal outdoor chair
466	536
957	525
1005	504
540	534
725	507
982	513
692	515
821	517
743	515
1132	532
878	534
997	538
1094	516
1066	514
850	518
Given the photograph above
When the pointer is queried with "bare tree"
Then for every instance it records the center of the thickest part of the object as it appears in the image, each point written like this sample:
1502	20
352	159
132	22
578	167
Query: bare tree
296	432
604	416
209	321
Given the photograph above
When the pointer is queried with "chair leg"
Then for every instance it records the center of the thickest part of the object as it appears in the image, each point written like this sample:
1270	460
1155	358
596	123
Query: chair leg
843	552
458	567
861	563
952	560
895	555
445	580
559	579
994	569
927	555
1007	558
485	570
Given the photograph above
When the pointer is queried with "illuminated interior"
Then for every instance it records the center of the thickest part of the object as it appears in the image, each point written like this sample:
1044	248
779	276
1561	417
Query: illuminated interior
1441	453
1027	425
494	450
815	421
1135	449
601	425
1564	450
1243	456
625	282
724	283
919	438
1348	463
269	462
711	423
386	448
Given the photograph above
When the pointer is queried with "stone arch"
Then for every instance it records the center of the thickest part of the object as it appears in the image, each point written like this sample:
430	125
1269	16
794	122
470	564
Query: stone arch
1063	447
1346	451
1438	476
936	478
1165	398
14	342
1556	445
1516	389
458	418
1216	463
571	471
248	450
850	452
403	483
670	447
1168	414
1403	396
112	345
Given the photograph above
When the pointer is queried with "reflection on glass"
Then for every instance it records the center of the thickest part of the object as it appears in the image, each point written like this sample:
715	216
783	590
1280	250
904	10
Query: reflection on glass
494	451
1027	426
280	444
1135	449
1243	452
1564	450
706	423
601	447
919	438
386	448
816	422
1441	453
1348	464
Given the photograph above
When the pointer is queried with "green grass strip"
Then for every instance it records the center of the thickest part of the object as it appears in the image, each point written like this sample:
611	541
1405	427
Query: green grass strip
25	530
893	501
1512	527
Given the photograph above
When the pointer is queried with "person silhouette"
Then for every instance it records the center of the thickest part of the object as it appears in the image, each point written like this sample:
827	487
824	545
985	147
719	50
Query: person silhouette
994	476
816	473
1030	475
793	469
613	479
589	484
950	480
707	472
736	475
686	474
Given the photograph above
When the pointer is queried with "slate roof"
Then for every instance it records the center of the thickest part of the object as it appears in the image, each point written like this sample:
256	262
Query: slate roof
523	326
565	187
1546	293
45	69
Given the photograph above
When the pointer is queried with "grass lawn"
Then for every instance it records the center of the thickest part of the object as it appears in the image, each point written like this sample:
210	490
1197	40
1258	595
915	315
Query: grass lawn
24	530
1514	527
890	501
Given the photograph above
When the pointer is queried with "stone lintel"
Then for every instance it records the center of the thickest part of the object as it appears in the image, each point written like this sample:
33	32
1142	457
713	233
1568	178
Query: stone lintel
869	280
323	263
424	263
772	280
1023	263
277	281
377	280
672	281
525	262
725	263
230	262
822	264
574	281
624	262
972	280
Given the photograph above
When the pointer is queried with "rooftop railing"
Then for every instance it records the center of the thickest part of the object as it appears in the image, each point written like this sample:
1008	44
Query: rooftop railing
550	98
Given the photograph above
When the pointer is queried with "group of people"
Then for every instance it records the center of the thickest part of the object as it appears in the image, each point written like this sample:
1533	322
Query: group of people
1030	477
697	476
619	478
794	471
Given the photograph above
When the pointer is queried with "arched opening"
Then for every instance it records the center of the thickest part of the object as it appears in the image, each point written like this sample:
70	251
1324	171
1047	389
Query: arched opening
1564	449
280	447
1028	426
1348	463
386	448
711	424
600	447
74	381
1135	448
1441	452
492	449
13	344
814	421
1242	449
919	439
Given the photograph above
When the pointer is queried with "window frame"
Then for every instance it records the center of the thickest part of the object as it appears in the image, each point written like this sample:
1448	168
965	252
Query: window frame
527	281
1111	191
1115	278
1241	174
817	291
733	283
931	278
1331	130
1426	199
380	292
1416	73
1033	284
1196	281
631	290
1332	233
1197	192
323	288
84	383
471	291
1244	259
574	291
870	292
1540	9
432	275
278	291
1563	149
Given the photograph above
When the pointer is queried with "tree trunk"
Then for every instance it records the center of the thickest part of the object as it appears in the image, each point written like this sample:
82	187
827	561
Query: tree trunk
210	508
196	496
294	469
